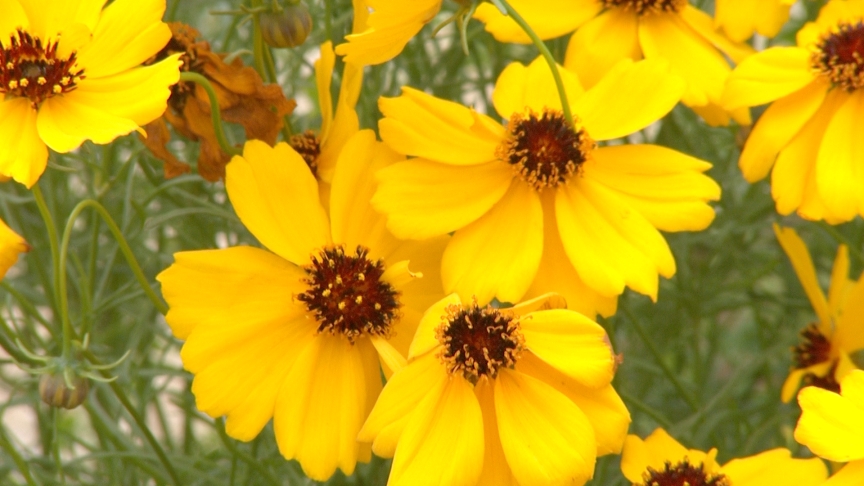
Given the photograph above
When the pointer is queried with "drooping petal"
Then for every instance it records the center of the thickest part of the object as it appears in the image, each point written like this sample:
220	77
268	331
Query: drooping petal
424	199
323	403
345	122
776	128
832	425
266	181
419	124
442	443
496	471
775	467
849	326
497	255
571	343
798	254
629	98
839	174
64	123
666	186
23	154
217	288
323	76
601	43
128	33
11	245
398	401
549	19
520	88
767	76
546	438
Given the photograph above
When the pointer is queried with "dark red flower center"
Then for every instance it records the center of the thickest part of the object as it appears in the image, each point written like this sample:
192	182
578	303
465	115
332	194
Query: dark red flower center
308	146
29	69
839	55
682	474
478	341
642	7
347	295
544	149
814	348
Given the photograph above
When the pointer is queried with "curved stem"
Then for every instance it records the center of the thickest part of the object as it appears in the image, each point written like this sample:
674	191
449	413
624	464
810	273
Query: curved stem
544	51
215	114
124	248
10	449
50	227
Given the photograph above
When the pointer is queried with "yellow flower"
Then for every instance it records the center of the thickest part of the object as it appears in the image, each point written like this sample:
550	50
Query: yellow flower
70	72
660	460
535	205
823	356
11	245
832	426
808	133
389	26
500	397
296	333
611	30
739	19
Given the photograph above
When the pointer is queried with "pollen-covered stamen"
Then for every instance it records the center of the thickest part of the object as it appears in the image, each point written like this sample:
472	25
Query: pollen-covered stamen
347	295
308	146
478	341
544	149
682	474
839	55
814	348
29	69
643	7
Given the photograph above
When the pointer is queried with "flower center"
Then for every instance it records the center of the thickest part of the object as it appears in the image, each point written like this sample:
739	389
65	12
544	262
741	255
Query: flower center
478	341
308	146
644	7
682	474
814	348
347	296
839	55
544	149
31	70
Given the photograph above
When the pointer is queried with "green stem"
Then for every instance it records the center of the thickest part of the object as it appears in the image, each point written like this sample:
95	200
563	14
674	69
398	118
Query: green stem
19	461
124	248
328	22
7	342
215	114
50	227
544	51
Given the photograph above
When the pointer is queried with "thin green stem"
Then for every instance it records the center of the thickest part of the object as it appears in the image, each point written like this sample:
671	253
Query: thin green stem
215	114
19	461
544	51
50	227
124	248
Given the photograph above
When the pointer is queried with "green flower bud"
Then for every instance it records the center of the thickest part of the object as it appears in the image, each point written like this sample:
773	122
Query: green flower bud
56	392
287	27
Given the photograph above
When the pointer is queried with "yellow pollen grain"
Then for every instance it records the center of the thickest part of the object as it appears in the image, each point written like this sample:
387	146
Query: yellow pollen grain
361	277
359	299
13	84
41	80
57	89
23	82
64	80
326	293
341	305
338	280
377	306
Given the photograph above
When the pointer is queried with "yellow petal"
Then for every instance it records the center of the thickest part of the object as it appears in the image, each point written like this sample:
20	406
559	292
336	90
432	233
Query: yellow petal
424	199
832	425
703	25
217	288
656	450
497	255
520	88
791	384
775	467
849	475
128	33
601	43
798	254
739	19
496	471
389	355
849	326
609	243
776	127
605	410
839	175
398	401
664	185
23	155
323	76
12	19
629	98
549	19
64	123
839	285
425	341
443	440
11	245
767	76
546	438
345	122
571	343
419	124
323	403
276	196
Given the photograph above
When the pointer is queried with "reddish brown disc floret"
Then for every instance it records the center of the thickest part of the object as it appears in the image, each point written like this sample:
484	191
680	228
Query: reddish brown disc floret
839	55
682	474
642	7
30	69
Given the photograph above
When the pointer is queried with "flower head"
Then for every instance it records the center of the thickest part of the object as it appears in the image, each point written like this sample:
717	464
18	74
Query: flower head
808	133
660	460
298	333
521	395
823	356
537	205
832	426
70	72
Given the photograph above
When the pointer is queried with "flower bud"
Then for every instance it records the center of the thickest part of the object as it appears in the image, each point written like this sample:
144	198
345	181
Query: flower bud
287	27
54	390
